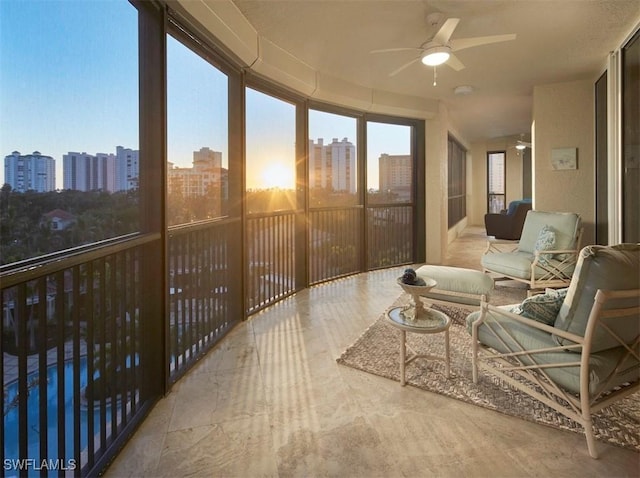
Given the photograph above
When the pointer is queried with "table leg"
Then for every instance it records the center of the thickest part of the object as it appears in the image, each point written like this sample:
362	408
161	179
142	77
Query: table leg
403	356
446	353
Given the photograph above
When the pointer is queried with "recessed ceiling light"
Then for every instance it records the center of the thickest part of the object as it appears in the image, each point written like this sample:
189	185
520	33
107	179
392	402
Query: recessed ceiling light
463	90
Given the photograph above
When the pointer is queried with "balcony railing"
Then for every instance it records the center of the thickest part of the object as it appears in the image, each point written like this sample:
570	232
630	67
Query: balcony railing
335	243
200	278
72	356
271	249
390	236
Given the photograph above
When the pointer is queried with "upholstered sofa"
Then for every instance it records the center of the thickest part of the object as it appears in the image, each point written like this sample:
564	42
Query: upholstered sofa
577	349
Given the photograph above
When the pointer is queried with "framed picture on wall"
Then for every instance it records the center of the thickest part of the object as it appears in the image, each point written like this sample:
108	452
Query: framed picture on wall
564	158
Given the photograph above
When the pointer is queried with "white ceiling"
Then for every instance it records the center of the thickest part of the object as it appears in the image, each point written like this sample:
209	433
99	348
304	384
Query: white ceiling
557	41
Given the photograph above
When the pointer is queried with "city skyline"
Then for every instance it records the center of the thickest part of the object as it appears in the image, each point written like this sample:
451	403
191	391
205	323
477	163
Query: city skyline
74	87
115	172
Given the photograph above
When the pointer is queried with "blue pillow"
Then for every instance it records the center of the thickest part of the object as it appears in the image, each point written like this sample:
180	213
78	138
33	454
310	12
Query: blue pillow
513	205
542	308
545	242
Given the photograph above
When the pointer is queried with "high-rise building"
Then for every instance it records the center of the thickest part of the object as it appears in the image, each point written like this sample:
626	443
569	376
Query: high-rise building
87	172
30	172
206	177
102	171
395	174
127	169
333	166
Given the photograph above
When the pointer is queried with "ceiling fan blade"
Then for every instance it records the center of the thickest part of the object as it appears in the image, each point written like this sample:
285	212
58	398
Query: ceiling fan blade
406	65
445	32
454	63
462	43
388	50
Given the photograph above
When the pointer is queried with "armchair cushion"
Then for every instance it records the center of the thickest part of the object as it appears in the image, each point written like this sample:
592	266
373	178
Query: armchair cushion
515	264
601	267
565	226
504	334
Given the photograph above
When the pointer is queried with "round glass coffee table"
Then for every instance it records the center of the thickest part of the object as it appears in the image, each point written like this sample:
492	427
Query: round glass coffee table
428	321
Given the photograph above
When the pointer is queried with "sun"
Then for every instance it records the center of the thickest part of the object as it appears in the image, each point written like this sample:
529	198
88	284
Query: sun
277	175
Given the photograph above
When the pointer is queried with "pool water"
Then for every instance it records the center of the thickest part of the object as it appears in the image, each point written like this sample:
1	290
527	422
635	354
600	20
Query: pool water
11	449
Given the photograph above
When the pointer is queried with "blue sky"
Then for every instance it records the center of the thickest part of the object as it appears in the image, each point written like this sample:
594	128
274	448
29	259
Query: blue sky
69	78
69	82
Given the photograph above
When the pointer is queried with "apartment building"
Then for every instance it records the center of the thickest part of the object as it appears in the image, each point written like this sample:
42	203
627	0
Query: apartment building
30	172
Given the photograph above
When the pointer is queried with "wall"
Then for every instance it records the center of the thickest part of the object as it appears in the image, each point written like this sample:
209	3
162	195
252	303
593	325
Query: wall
436	209
563	117
439	236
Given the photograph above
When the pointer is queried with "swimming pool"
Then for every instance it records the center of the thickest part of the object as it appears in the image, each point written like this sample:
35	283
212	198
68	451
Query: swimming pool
11	449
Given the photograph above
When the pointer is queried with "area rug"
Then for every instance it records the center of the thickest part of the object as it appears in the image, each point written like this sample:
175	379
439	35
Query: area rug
377	352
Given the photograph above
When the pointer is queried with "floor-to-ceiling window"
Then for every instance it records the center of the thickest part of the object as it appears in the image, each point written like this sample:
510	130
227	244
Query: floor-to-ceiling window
496	181
391	193
270	198
631	139
335	202
71	246
601	159
456	182
199	237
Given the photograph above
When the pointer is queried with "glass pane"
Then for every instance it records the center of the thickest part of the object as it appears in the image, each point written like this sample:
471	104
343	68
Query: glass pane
69	125
456	187
271	153
332	160
496	174
631	139
197	137
389	163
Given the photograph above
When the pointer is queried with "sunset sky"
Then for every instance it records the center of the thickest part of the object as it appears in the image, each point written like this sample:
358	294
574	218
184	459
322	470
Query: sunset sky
69	76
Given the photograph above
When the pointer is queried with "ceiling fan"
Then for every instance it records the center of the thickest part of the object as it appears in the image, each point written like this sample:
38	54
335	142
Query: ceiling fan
521	144
440	48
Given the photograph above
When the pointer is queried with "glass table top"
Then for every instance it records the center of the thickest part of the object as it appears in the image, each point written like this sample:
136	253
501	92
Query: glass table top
427	321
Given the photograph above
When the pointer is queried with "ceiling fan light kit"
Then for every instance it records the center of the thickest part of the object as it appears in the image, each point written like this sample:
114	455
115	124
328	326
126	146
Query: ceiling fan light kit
520	146
436	55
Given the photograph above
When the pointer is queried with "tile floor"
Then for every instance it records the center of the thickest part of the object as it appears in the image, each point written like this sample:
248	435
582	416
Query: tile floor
270	400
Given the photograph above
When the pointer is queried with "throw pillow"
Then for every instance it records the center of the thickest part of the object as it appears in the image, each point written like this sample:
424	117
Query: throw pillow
543	307
546	241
